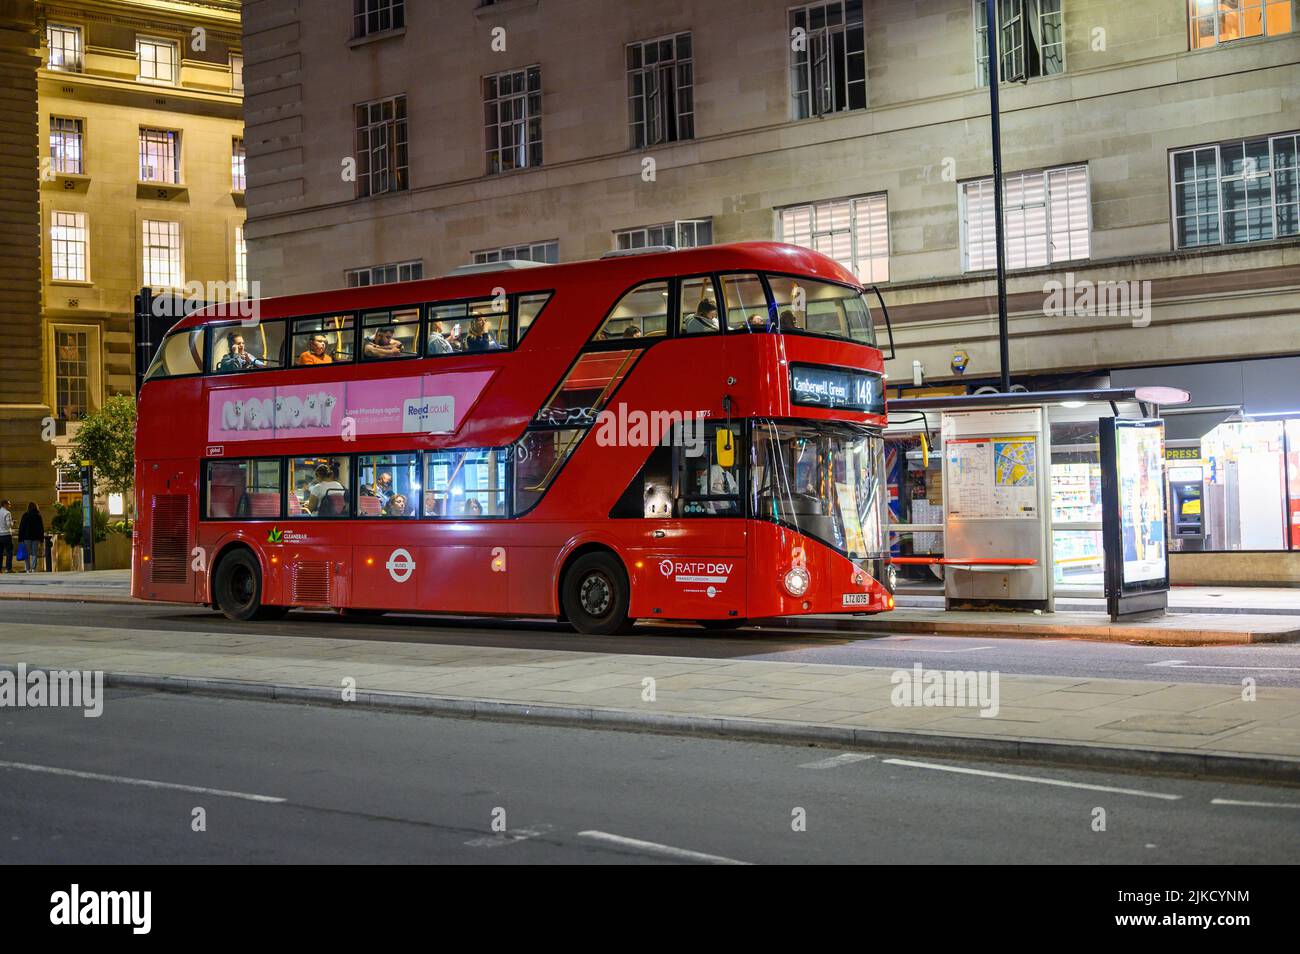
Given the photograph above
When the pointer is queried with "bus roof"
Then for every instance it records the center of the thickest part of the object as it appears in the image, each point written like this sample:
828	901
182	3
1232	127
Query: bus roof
623	271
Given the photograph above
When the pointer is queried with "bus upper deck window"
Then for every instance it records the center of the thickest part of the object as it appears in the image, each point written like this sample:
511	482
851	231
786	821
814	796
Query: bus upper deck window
180	353
699	307
390	334
324	340
247	348
641	313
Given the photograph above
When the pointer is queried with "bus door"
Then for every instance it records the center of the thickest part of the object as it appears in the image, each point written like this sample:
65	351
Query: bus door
690	560
165	535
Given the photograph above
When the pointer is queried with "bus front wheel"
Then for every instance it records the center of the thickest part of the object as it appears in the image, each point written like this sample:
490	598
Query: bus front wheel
595	595
237	589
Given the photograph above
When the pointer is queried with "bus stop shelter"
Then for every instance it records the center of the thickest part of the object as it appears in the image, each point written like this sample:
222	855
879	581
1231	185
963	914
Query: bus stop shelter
1015	498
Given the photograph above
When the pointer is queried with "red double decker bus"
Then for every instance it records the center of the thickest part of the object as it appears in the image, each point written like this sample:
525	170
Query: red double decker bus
676	435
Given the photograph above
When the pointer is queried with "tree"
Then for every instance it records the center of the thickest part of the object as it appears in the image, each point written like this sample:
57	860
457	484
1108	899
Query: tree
106	437
67	524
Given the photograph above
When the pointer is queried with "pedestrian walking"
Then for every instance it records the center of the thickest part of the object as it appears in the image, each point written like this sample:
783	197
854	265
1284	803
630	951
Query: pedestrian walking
6	538
31	534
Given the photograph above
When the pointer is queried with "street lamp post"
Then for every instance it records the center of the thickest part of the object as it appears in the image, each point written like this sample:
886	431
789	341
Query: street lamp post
1004	346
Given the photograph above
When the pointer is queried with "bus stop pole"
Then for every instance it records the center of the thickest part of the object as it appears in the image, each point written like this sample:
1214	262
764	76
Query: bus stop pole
995	78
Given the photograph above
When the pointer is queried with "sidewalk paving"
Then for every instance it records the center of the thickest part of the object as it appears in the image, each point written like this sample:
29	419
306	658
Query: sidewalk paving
1184	728
1237	625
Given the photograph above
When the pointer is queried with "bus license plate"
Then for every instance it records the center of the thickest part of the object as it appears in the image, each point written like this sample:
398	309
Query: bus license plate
857	599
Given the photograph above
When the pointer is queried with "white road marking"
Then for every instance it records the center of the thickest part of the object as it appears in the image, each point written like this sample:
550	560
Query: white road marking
1032	778
142	782
835	761
1179	664
509	837
1233	801
654	848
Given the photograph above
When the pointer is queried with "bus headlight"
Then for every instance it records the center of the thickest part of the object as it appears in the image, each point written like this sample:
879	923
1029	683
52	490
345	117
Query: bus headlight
797	581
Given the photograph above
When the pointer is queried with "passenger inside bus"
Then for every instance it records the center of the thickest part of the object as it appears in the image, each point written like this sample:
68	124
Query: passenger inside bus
703	321
472	508
237	357
480	336
381	489
789	322
439	343
382	344
326	497
316	353
397	506
757	322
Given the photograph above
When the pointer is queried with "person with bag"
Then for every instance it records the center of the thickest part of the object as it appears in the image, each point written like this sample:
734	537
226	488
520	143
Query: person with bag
31	534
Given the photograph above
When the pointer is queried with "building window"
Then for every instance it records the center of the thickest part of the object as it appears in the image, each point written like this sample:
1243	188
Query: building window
241	261
828	60
385	274
65	145
376	16
686	233
661	90
381	146
854	232
71	373
156	61
1031	39
65	47
1212	22
512	107
162	254
1045	217
160	156
238	180
236	73
547	252
68	241
1234	192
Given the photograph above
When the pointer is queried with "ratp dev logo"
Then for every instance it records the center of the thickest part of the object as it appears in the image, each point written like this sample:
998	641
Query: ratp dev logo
666	567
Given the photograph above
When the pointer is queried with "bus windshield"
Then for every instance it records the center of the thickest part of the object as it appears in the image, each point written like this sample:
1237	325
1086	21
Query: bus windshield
821	308
824	480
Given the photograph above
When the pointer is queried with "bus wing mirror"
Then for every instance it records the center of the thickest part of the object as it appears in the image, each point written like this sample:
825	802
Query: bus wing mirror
889	327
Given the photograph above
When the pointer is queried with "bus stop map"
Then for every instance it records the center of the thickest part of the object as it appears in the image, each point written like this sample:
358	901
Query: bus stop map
992	478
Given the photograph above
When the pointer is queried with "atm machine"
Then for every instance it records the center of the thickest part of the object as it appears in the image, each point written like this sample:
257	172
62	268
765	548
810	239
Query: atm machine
1187	507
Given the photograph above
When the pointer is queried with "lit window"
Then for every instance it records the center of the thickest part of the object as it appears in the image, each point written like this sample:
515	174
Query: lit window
854	232
1045	218
156	61
65	47
241	261
66	145
828	70
1235	192
661	90
687	233
1211	22
1030	39
68	241
160	156
162	254
238	179
512	107
236	73
381	146
72	383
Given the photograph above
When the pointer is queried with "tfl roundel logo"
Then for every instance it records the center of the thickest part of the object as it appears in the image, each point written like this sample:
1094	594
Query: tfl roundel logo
400	565
666	567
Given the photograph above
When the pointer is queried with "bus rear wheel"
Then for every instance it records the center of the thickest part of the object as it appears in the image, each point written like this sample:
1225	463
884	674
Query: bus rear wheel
595	595
237	589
